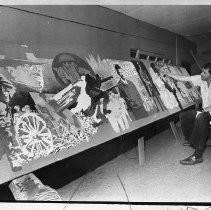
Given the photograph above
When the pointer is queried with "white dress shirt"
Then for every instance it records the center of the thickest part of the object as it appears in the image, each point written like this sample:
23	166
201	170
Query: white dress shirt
205	90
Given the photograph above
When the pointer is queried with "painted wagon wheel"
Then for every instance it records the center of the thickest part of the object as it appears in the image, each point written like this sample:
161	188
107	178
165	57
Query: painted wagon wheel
33	136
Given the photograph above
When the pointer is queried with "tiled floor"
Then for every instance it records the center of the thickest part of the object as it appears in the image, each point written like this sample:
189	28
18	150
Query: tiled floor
161	179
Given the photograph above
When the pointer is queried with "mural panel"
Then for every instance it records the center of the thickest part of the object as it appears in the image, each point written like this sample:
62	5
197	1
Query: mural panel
192	90
7	91
37	135
25	75
65	119
112	105
180	85
149	85
68	68
163	84
131	88
50	105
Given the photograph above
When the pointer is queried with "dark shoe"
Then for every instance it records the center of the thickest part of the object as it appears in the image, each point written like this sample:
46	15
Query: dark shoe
192	160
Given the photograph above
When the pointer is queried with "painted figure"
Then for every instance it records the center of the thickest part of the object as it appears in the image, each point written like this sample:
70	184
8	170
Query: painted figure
129	92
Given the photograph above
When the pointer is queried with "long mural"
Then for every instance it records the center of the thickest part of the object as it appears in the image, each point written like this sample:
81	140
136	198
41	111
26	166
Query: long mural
42	114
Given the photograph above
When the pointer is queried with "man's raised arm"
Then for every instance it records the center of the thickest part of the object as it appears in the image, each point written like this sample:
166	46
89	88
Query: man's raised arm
179	77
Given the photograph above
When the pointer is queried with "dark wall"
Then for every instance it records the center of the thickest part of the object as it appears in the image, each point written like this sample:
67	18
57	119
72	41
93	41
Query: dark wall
204	51
83	29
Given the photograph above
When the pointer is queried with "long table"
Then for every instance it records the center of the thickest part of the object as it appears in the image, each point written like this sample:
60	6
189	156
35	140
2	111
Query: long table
104	134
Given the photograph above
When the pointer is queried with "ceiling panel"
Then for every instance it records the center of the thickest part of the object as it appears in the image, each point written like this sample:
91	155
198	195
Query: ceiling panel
192	28
169	15
187	20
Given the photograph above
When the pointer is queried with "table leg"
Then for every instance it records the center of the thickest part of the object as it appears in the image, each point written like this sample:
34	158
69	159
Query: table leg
174	130
141	151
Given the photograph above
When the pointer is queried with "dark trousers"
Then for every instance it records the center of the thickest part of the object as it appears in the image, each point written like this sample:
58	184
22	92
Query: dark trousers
195	129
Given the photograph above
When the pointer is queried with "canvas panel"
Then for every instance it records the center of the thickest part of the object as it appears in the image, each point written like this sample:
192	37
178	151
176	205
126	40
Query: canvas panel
38	134
68	68
138	101
149	85
167	94
7	91
193	90
25	75
182	91
116	108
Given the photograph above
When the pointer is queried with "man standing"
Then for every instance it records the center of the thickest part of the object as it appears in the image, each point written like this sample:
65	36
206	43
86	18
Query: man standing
195	124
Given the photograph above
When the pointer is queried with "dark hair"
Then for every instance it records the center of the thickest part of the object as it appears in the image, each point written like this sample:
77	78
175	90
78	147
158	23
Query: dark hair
207	66
117	67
